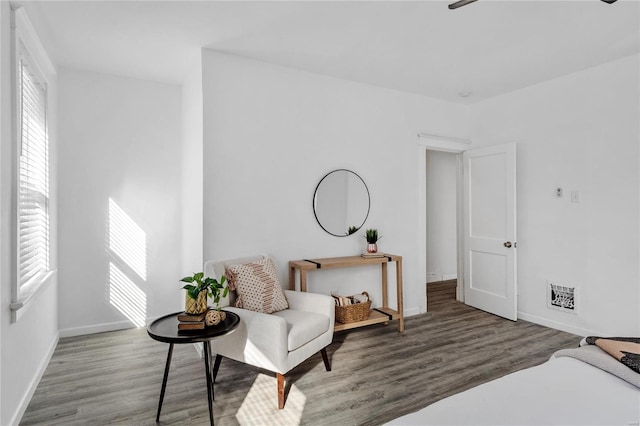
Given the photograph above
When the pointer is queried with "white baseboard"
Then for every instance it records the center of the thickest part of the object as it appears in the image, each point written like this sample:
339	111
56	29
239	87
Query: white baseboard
35	381
101	328
568	328
433	277
96	328
411	311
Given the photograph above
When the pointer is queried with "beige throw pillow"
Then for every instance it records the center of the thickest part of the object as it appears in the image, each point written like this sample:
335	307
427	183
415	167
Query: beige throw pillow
257	286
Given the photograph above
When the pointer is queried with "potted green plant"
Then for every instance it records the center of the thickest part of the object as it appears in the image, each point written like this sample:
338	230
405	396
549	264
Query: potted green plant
371	235
198	288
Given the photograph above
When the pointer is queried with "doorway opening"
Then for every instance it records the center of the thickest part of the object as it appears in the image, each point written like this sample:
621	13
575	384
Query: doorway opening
442	228
432	145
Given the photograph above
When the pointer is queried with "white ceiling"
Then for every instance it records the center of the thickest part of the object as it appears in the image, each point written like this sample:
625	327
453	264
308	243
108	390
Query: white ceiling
486	48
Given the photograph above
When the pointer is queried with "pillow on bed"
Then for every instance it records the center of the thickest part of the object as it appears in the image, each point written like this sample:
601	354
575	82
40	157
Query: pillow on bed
624	349
257	286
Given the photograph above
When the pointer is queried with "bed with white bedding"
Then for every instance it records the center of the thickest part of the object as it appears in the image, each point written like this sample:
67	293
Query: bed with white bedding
569	389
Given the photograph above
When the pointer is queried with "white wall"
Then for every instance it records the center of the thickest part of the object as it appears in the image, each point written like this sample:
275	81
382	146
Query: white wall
121	144
5	120
271	133
578	132
442	255
27	344
192	174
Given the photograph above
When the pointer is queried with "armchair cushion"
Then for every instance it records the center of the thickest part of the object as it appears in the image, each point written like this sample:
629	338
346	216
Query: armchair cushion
303	327
257	286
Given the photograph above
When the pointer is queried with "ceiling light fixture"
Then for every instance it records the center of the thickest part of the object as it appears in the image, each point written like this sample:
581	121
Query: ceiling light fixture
461	3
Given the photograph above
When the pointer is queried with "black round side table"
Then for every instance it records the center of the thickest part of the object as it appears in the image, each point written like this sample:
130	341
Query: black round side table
165	329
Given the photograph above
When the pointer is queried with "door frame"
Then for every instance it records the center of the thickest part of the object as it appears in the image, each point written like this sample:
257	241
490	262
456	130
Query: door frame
430	142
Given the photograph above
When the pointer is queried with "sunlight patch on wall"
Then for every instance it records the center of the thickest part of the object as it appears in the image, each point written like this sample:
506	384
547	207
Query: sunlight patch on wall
127	240
127	248
260	406
127	297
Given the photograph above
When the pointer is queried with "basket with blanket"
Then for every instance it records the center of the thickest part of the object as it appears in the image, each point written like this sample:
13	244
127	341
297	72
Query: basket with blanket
352	308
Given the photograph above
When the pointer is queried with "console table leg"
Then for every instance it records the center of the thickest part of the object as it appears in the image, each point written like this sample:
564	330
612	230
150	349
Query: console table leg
207	369
303	280
164	380
385	296
292	278
399	295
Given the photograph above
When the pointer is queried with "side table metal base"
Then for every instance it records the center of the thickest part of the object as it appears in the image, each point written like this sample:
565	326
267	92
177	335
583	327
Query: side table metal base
166	329
210	394
164	380
207	370
208	377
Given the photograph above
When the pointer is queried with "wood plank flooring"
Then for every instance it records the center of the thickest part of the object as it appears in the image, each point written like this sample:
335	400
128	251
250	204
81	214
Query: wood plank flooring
378	374
440	294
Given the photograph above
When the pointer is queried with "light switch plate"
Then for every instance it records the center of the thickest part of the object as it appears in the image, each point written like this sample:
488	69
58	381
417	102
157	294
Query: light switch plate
575	197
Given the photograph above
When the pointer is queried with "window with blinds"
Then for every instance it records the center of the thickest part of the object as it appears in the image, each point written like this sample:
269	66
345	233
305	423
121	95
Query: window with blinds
33	174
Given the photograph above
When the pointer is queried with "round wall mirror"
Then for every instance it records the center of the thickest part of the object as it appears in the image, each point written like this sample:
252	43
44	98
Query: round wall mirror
341	202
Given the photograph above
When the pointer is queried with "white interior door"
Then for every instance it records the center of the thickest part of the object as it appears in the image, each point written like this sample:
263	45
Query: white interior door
490	229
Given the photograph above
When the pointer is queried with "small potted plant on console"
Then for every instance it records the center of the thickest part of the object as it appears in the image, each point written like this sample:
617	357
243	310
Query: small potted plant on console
371	235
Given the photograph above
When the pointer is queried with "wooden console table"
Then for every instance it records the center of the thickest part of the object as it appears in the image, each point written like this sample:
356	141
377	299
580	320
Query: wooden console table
377	315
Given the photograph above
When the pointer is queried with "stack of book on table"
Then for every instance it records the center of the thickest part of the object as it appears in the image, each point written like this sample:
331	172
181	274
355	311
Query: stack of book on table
191	321
378	254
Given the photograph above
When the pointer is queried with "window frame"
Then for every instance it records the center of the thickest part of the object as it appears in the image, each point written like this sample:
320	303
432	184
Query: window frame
25	42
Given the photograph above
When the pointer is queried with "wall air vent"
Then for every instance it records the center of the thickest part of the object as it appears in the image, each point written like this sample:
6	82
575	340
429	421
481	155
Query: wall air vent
561	297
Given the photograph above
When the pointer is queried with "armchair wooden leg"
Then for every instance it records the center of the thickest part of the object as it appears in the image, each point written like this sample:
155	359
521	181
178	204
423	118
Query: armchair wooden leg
280	378
325	358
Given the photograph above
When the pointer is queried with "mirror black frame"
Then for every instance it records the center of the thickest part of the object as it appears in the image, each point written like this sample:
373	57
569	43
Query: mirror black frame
315	193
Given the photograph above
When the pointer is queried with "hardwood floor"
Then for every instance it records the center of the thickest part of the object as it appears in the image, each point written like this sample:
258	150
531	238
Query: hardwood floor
440	294
378	374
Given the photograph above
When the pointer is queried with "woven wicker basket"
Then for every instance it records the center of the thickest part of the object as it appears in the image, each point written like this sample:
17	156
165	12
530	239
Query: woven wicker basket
355	312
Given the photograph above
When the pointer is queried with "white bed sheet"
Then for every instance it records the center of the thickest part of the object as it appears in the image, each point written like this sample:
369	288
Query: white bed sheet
562	391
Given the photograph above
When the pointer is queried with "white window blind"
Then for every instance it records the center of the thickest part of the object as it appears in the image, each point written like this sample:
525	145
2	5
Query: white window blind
33	175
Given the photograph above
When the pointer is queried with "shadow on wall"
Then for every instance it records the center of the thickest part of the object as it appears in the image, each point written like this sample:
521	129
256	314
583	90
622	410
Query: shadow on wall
127	249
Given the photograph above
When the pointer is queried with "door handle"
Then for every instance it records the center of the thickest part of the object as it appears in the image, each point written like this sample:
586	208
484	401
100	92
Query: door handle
507	244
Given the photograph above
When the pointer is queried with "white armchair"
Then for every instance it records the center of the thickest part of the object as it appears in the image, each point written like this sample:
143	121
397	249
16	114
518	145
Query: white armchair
279	341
